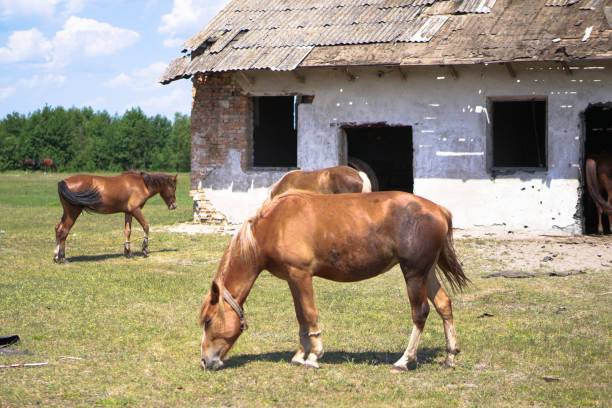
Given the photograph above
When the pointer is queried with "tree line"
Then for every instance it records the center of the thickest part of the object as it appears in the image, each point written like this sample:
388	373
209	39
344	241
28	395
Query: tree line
84	140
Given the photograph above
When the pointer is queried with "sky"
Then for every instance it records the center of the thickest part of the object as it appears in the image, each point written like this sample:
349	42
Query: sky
103	54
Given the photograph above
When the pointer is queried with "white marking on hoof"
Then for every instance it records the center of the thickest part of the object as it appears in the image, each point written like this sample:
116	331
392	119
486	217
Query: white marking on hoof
310	364
399	369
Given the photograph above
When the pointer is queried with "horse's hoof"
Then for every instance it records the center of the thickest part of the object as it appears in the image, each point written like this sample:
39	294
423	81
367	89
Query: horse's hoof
297	363
127	254
399	369
448	367
310	364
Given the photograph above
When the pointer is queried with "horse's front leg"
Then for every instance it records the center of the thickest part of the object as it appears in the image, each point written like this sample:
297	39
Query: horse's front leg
145	227
127	251
311	344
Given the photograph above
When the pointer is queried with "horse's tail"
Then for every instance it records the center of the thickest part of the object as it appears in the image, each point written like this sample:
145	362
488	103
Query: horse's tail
593	186
84	198
448	263
367	185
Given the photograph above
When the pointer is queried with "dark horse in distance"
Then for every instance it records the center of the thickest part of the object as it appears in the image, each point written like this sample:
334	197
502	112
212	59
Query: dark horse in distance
127	193
33	164
341	237
599	180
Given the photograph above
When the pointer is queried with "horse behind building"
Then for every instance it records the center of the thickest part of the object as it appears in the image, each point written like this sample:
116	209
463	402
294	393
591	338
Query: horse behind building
599	183
332	180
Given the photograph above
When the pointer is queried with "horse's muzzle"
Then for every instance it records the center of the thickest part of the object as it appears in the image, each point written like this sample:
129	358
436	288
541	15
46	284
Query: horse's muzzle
213	365
172	206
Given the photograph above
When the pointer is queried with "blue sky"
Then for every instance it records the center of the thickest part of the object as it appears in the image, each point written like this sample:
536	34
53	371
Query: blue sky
106	54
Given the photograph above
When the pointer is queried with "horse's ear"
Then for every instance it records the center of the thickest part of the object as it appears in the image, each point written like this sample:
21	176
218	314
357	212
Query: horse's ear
174	178
215	292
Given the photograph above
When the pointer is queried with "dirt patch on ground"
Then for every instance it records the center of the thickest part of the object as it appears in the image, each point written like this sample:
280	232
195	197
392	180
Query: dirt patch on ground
516	250
527	251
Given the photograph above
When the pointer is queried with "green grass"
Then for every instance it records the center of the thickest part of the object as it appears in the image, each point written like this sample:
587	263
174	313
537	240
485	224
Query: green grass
133	325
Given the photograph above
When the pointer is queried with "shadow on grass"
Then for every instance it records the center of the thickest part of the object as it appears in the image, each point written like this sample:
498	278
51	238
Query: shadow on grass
426	355
102	257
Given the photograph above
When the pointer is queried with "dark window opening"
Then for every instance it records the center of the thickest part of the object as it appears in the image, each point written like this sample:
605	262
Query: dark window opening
386	151
519	134
598	140
275	131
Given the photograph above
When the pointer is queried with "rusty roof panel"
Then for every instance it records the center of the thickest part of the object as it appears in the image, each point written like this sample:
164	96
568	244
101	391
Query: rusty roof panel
475	6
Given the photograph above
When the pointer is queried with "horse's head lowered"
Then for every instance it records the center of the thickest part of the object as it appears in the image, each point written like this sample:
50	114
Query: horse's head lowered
222	327
222	324
165	184
167	194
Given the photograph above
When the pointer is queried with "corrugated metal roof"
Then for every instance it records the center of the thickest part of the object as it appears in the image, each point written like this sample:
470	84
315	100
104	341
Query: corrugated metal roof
285	34
559	3
475	6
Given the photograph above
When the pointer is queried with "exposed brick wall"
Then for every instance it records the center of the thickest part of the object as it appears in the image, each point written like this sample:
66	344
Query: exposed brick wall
221	119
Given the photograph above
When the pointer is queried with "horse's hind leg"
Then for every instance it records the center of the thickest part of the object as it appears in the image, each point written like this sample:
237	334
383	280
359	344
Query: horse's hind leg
599	222
127	252
443	305
416	285
62	229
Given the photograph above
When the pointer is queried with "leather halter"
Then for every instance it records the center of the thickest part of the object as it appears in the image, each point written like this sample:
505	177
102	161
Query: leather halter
239	311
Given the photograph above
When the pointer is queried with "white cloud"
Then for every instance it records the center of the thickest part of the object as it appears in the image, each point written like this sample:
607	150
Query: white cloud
187	17
140	79
45	8
93	37
120	81
78	36
25	45
45	80
173	42
38	7
6	93
168	101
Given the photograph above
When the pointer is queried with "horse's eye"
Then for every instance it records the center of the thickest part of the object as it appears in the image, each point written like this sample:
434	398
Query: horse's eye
207	322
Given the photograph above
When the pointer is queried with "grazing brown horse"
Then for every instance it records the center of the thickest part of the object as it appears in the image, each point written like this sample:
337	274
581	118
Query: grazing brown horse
344	238
31	163
599	180
333	180
127	193
49	163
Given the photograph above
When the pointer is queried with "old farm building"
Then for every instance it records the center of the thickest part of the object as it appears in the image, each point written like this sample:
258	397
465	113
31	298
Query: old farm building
488	107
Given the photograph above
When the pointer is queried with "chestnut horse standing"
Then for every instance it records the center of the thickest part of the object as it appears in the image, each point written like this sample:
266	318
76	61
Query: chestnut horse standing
344	238
127	193
332	180
49	163
599	180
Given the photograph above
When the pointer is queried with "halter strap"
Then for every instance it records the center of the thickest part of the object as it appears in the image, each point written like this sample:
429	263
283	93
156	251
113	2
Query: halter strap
239	311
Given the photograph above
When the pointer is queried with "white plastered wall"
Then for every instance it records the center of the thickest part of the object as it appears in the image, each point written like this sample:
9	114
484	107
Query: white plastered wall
450	121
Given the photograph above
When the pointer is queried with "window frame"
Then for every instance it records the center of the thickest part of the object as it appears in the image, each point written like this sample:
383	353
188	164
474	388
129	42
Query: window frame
492	168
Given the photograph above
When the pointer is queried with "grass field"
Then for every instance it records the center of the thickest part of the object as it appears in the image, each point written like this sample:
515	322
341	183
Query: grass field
124	332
